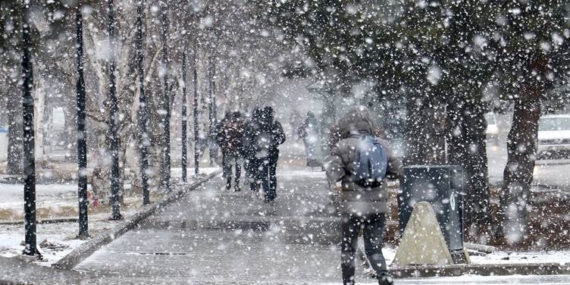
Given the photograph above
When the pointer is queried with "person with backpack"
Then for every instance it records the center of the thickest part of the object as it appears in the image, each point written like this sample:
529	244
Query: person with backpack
267	140
360	164
230	137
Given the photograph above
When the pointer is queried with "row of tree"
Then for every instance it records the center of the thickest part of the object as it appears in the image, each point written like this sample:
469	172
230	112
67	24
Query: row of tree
443	58
211	32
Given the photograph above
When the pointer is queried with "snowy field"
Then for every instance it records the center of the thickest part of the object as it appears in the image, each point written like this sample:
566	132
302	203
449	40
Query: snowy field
59	201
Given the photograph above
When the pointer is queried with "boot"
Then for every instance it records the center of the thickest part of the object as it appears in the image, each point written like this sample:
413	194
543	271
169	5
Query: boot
385	279
228	183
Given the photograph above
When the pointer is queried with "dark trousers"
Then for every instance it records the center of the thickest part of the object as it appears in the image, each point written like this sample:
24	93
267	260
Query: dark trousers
230	159
265	176
373	233
253	169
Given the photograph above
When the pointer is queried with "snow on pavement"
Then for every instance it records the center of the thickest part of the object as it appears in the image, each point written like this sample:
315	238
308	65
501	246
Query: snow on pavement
56	240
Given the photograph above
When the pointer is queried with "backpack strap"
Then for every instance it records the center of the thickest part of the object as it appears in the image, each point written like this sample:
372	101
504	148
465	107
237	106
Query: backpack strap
360	136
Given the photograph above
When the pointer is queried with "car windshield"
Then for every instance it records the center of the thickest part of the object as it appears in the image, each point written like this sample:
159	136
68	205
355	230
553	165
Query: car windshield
554	124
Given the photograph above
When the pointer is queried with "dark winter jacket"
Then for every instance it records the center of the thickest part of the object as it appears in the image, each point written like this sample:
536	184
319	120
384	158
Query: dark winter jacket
268	138
230	135
356	199
252	128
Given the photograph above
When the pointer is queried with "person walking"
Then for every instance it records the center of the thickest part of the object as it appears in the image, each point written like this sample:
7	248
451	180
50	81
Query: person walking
230	138
309	132
217	136
252	128
358	165
295	121
267	140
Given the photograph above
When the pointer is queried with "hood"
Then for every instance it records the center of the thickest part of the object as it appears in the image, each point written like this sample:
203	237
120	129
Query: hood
356	120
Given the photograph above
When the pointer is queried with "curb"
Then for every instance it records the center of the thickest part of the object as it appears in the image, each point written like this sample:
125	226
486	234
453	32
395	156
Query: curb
85	250
480	269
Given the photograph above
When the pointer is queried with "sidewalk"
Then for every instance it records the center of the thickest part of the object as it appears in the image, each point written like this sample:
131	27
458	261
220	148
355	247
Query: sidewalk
224	236
14	271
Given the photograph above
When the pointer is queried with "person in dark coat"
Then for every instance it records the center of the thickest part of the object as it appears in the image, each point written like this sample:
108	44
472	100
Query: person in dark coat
252	128
217	137
267	140
230	138
360	207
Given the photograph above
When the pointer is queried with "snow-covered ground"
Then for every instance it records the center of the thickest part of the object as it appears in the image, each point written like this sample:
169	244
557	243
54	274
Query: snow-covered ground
53	201
503	257
54	240
51	196
57	200
477	279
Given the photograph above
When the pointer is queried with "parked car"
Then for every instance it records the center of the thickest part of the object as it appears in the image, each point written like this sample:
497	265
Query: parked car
553	136
492	131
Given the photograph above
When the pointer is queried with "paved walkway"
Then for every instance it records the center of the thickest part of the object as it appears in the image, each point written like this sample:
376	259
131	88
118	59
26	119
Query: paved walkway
15	271
213	235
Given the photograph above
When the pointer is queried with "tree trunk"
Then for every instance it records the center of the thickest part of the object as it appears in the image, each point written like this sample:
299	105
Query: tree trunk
81	132
195	111
165	179
15	133
467	147
142	114
425	140
518	174
113	146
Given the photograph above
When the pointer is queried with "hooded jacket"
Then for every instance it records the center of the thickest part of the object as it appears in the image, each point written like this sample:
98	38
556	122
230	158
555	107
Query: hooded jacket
355	199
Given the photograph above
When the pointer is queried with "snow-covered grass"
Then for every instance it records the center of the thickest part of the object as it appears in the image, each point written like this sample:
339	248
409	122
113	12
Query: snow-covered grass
53	196
60	200
54	240
503	257
53	201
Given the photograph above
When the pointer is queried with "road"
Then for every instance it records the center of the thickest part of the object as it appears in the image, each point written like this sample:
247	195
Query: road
547	173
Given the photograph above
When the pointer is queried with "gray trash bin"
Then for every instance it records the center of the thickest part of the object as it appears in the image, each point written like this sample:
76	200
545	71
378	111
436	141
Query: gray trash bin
442	186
